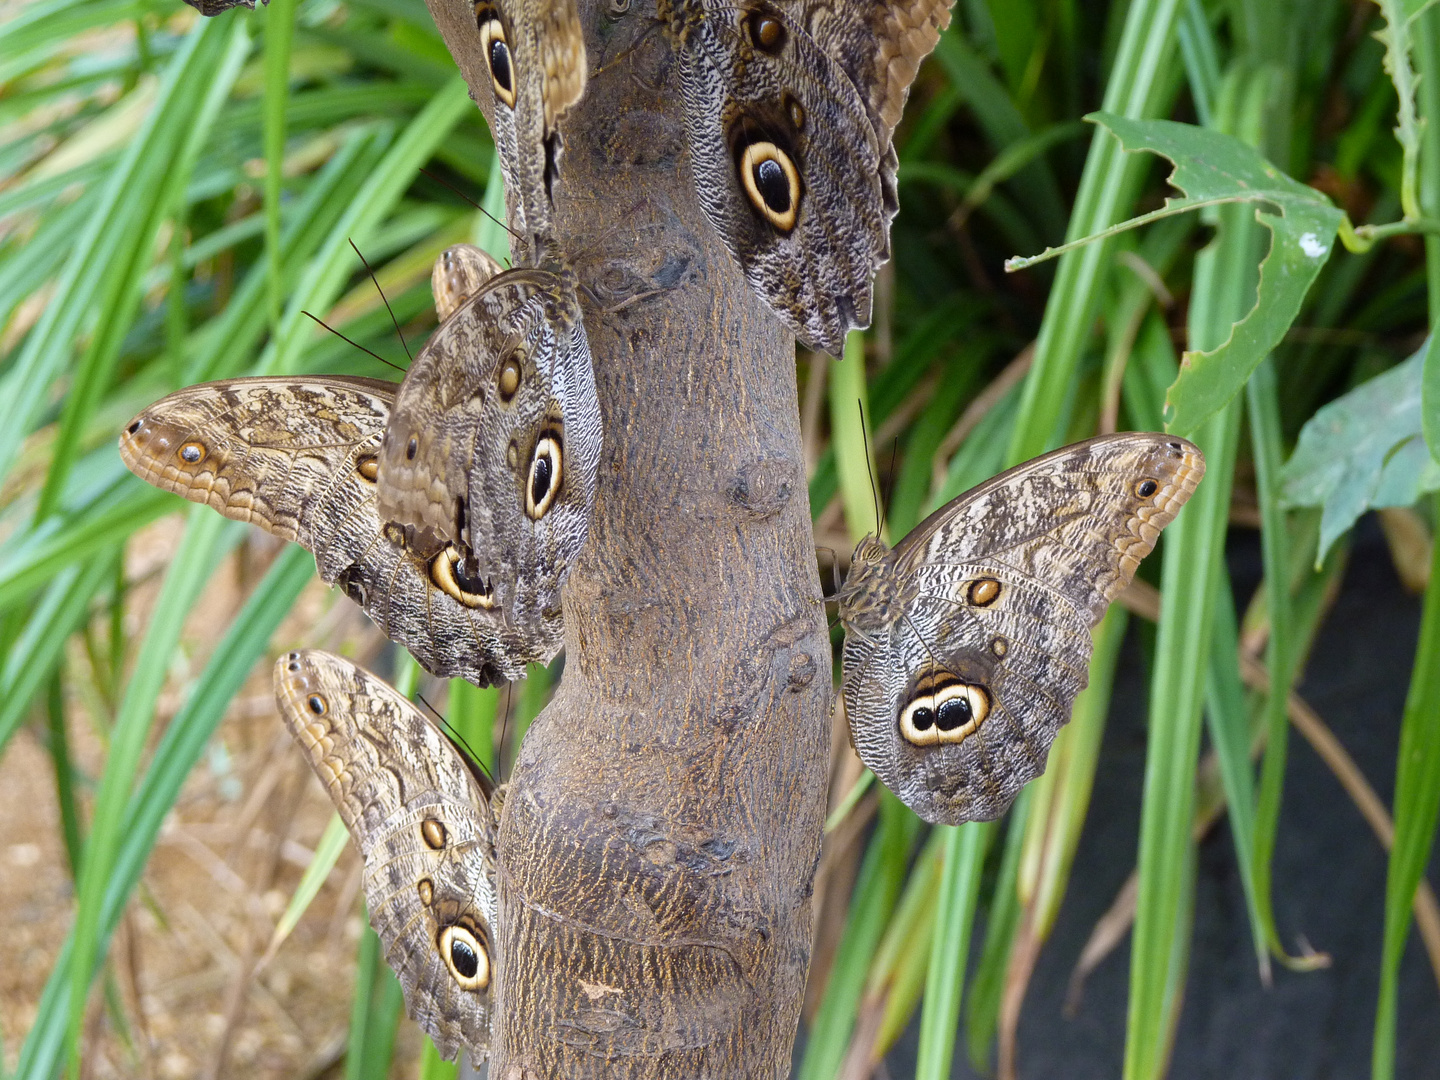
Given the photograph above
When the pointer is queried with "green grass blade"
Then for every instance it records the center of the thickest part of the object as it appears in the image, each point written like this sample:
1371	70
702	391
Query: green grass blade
179	748
850	437
1417	806
434	1067
1107	187
191	568
279	34
59	747
327	854
877	887
964	859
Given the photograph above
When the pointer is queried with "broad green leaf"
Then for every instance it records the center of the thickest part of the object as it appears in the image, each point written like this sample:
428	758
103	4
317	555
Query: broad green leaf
1362	451
1211	169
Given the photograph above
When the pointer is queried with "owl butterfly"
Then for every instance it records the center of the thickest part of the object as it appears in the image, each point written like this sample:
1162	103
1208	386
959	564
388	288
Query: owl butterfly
300	457
535	53
493	445
790	110
966	645
422	820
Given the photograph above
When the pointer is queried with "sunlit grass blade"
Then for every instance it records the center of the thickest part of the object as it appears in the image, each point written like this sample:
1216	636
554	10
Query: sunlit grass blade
327	854
178	750
59	747
850	438
279	34
434	1067
1417	805
987	985
1107	187
374	1013
964	859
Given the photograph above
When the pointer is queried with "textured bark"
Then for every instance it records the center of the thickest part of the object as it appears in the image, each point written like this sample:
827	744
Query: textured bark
659	839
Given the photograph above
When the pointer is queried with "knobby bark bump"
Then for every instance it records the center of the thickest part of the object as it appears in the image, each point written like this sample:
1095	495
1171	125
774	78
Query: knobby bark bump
659	839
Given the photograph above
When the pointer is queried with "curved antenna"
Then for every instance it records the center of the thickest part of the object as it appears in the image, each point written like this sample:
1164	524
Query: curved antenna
504	729
348	341
865	440
393	321
453	734
446	183
890	483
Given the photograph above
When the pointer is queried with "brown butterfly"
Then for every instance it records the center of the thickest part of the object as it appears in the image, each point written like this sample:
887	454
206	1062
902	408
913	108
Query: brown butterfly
967	643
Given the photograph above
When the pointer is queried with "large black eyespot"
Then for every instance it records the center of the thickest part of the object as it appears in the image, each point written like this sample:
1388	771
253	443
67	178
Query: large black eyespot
546	469
1146	488
944	711
497	54
466	957
447	571
771	183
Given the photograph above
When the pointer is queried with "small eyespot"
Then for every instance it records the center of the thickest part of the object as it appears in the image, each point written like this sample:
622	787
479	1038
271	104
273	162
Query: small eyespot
447	572
512	455
133	428
394	532
426	888
999	646
767	33
983	592
412	448
795	111
497	55
368	467
546	471
294	666
1146	488
949	713
465	956
508	381
772	184
192	453
316	704
433	833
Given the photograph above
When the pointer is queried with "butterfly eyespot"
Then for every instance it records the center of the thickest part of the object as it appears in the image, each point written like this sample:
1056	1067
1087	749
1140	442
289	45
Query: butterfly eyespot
316	704
192	453
368	467
433	833
394	533
948	713
294	665
512	455
466	957
411	448
1146	488
767	33
999	646
133	428
508	381
546	471
772	184
426	888
795	111
447	571
984	592
497	55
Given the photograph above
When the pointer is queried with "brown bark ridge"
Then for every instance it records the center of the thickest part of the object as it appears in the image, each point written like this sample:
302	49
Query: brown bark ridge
660	835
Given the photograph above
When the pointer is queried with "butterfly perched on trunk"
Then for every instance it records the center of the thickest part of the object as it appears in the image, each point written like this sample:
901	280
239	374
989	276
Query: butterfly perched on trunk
790	113
422	819
967	643
302	458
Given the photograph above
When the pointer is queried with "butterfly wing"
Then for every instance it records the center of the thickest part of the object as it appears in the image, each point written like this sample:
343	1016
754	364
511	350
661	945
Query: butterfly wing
535	51
955	697
495	441
298	457
786	164
424	830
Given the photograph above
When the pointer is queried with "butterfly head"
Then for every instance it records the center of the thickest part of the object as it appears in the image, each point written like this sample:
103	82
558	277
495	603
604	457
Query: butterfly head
869	598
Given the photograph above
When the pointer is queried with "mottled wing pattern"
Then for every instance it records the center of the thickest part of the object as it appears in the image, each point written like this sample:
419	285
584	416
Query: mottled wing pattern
537	71
879	44
424	830
458	274
503	388
997	593
298	457
813	253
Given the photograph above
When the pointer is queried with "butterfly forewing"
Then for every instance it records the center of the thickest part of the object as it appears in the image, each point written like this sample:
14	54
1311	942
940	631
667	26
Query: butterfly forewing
299	458
964	675
425	833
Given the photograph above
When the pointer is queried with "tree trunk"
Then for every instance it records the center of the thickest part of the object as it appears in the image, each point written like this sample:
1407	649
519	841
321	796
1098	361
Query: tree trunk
659	839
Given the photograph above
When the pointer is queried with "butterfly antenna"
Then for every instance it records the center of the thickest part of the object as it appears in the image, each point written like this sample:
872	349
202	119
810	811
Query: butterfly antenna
393	321
446	183
865	440
356	344
454	736
889	483
504	730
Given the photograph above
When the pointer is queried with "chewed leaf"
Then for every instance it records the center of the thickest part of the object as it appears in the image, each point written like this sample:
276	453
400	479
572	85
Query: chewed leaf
1212	169
1362	451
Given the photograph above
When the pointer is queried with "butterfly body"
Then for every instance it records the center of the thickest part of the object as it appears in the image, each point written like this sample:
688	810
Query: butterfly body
967	644
423	823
